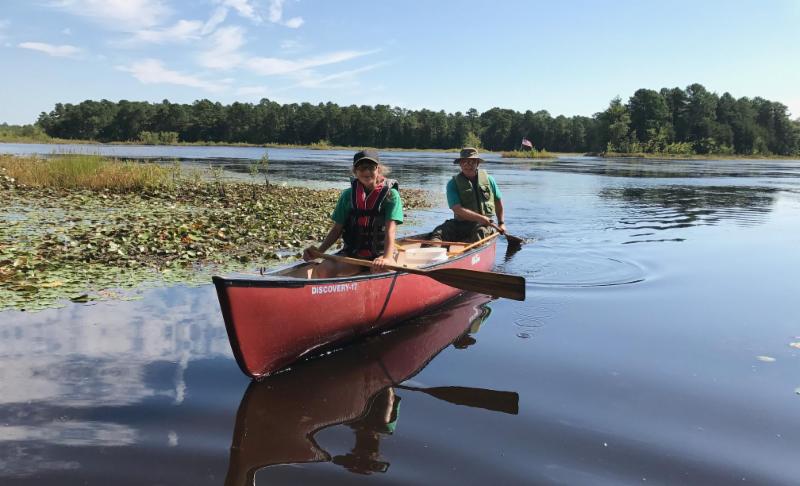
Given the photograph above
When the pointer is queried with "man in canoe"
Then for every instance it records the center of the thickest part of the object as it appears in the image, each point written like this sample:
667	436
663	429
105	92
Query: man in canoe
475	199
366	217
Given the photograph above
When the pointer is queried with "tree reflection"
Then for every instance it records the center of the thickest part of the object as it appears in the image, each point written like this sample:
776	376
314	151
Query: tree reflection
670	207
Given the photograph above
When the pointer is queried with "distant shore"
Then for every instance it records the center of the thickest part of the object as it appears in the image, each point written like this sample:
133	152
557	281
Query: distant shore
313	146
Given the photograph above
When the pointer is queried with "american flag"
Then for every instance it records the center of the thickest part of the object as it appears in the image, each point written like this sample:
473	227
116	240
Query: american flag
526	143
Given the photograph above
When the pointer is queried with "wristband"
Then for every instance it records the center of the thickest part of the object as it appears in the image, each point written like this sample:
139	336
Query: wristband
500	222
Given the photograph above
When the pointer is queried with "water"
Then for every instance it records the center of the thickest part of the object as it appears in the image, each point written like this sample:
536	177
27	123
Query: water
656	345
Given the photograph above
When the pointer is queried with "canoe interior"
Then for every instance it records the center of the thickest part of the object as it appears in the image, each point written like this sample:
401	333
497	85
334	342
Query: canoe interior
305	270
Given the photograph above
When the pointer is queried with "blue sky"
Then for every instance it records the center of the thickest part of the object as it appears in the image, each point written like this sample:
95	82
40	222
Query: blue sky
567	57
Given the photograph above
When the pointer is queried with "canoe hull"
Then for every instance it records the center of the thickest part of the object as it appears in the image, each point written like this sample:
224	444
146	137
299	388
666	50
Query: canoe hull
272	321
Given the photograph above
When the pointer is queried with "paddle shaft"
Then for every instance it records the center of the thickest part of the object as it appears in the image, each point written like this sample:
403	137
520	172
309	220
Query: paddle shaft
489	283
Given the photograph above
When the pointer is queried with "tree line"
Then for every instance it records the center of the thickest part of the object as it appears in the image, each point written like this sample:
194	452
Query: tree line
672	120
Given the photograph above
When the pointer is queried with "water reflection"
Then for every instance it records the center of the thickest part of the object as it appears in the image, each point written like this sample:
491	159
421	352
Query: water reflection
676	207
279	417
62	371
654	168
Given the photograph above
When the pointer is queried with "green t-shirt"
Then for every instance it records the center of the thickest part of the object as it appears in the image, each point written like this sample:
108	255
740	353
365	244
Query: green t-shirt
454	198
392	207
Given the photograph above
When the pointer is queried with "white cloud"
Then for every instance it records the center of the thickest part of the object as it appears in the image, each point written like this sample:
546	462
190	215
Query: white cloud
217	17
223	53
270	66
294	22
182	31
243	7
276	15
65	50
275	11
309	79
152	71
126	15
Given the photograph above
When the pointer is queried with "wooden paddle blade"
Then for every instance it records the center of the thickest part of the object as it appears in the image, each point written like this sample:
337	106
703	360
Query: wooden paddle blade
489	283
513	240
496	401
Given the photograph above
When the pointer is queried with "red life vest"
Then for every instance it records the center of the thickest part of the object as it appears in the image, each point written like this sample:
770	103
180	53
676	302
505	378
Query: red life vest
365	229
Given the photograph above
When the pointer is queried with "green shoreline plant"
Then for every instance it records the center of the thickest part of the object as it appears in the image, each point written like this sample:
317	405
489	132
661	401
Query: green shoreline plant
88	240
528	154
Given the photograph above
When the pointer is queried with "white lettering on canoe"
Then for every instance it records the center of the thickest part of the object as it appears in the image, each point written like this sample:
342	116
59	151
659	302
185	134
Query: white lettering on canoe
333	289
476	259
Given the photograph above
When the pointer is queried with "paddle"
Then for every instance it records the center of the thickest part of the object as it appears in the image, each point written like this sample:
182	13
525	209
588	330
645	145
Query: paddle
497	401
511	239
489	283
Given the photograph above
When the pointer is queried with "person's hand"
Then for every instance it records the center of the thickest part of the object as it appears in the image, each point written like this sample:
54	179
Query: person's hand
486	221
379	264
502	227
307	253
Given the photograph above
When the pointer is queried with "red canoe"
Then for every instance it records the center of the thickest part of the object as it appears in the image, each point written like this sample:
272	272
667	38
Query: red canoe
274	320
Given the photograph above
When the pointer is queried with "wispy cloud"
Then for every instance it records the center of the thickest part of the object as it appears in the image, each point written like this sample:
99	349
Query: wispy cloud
65	50
245	8
217	17
276	15
126	15
270	66
182	31
309	79
153	71
224	50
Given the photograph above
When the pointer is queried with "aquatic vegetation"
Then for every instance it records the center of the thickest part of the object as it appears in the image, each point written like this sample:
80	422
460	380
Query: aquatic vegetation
83	171
528	154
64	242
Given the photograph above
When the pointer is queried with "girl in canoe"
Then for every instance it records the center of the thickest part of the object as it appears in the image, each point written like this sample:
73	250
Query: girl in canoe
366	217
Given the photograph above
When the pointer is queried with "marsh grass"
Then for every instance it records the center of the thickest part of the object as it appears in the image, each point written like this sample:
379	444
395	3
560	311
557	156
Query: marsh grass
78	171
528	154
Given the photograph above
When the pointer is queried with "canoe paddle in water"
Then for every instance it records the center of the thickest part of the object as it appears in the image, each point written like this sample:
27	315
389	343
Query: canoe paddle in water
511	239
496	401
489	283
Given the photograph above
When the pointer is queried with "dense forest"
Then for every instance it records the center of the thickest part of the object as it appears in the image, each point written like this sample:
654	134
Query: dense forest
672	120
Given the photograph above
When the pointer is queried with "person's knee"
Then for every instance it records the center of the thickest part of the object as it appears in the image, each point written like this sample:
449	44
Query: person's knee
324	270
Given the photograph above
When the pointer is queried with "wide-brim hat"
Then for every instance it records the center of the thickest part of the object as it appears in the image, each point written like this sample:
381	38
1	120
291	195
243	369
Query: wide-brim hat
366	155
468	153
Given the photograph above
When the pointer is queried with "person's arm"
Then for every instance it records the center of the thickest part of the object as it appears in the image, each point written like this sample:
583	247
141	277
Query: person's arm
469	215
388	247
331	238
498	208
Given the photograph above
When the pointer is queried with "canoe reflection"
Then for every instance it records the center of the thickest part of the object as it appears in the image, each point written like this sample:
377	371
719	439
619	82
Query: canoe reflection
279	417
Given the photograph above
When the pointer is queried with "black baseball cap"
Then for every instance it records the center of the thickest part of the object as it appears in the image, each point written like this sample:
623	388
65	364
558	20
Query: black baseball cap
366	155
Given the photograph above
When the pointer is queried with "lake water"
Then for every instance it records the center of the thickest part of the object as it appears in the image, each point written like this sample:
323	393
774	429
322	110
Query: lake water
659	344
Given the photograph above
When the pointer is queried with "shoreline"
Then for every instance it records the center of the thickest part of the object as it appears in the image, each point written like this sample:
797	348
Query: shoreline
59	141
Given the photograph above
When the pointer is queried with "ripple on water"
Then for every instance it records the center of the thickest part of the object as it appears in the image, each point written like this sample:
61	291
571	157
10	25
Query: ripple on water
585	271
534	316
